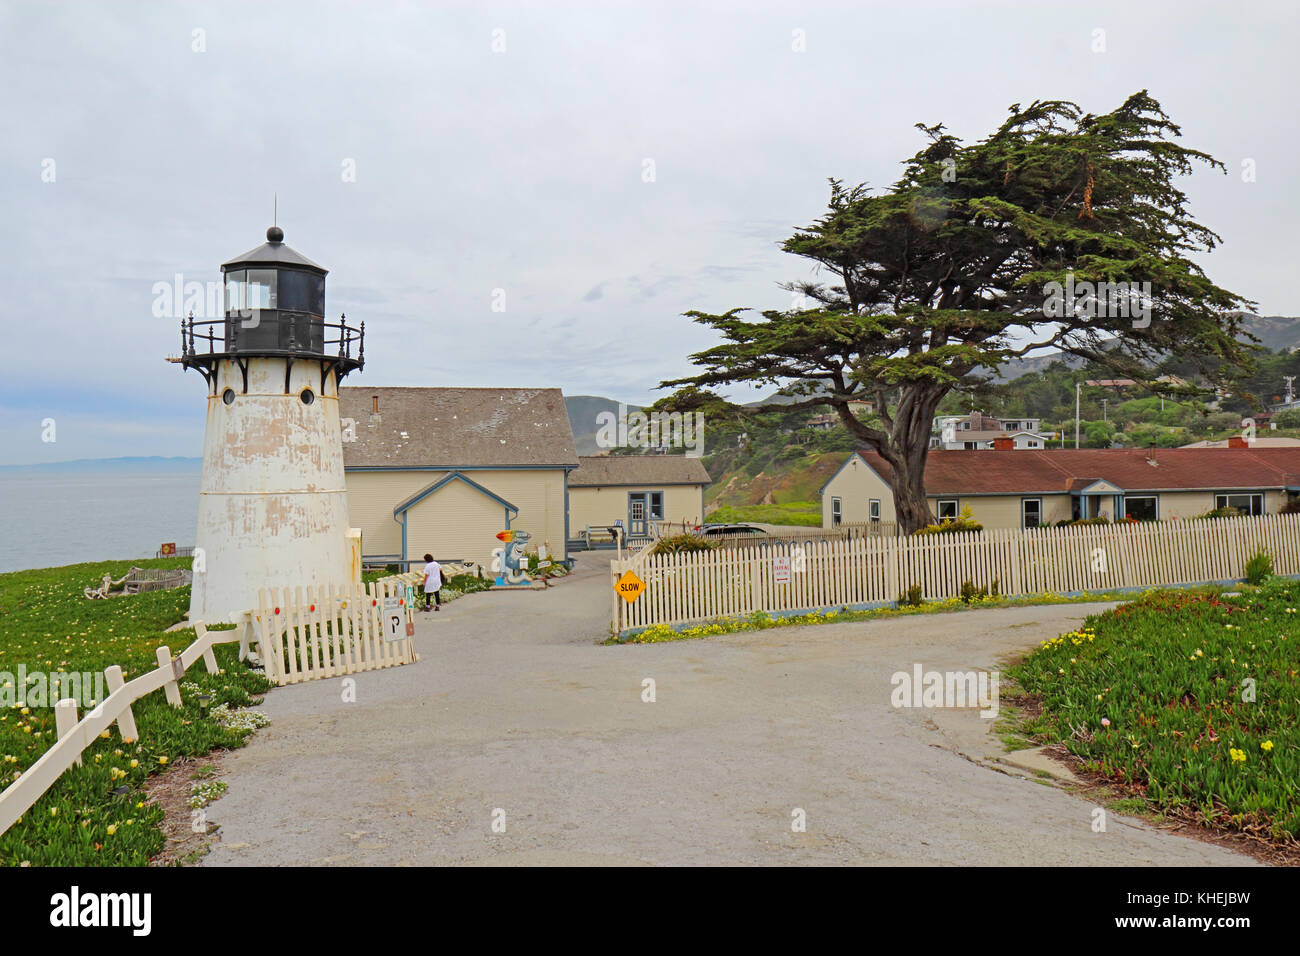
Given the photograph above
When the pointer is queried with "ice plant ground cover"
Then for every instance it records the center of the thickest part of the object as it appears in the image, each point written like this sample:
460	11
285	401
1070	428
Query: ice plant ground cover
1189	699
98	814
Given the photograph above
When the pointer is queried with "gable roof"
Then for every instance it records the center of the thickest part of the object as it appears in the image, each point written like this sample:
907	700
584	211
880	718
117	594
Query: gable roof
423	493
450	428
606	470
1033	471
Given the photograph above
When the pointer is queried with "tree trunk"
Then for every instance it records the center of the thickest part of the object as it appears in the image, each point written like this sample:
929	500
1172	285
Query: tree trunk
905	447
907	479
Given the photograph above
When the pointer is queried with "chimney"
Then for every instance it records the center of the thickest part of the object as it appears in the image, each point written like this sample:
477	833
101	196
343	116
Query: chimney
1004	444
1236	441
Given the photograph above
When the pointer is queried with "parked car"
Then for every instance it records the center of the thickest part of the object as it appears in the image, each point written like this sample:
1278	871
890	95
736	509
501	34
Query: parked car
720	529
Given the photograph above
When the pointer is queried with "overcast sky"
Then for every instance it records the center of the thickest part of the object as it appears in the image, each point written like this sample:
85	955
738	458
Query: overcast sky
506	146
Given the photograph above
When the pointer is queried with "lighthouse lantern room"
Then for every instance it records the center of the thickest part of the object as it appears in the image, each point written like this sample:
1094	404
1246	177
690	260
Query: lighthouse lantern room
272	501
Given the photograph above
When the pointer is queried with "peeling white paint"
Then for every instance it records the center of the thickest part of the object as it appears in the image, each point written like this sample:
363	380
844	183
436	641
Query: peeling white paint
272	499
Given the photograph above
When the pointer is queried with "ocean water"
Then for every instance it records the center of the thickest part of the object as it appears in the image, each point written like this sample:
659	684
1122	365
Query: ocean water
52	518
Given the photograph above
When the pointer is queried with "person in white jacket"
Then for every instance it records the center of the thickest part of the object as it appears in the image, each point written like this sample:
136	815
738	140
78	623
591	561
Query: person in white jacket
432	584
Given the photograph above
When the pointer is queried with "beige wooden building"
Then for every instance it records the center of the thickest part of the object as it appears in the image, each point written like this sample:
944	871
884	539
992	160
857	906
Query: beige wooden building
1027	488
635	491
443	470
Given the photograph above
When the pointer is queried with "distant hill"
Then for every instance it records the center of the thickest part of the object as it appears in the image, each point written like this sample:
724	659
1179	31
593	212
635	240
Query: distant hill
1277	333
154	463
583	413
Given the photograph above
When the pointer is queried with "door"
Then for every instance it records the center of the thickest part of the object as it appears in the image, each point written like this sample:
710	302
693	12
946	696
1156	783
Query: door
637	509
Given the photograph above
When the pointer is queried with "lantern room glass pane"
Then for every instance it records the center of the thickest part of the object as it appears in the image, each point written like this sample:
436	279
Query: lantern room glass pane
302	292
235	291
261	289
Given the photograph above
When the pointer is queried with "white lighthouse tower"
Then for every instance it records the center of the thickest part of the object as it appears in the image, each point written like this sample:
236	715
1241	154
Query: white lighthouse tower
272	503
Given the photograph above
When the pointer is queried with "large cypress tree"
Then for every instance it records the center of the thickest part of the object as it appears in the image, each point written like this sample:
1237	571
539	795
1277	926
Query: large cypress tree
948	274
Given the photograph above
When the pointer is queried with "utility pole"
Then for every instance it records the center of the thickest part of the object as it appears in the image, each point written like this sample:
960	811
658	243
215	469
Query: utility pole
1290	388
1104	402
1077	387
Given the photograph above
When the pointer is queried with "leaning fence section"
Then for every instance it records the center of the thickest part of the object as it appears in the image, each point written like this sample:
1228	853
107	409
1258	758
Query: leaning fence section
304	633
864	571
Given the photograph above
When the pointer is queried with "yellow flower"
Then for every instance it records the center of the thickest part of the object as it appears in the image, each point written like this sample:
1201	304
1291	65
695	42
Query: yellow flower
135	763
1238	756
162	760
1266	746
112	828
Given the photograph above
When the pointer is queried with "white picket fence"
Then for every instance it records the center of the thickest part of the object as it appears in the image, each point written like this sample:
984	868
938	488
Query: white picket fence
307	633
301	637
872	571
76	735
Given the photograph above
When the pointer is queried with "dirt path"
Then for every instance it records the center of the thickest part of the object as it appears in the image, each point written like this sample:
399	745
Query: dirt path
513	707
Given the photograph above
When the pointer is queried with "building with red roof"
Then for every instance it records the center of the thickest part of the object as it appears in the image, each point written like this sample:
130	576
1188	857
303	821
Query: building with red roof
1034	487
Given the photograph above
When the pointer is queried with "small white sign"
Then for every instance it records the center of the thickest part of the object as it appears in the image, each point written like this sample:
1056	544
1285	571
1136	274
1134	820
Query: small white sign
394	619
781	569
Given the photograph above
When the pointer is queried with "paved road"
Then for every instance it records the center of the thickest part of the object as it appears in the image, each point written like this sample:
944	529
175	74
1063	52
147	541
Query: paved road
514	707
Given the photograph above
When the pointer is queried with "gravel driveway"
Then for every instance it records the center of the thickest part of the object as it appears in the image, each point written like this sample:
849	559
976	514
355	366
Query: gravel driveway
514	708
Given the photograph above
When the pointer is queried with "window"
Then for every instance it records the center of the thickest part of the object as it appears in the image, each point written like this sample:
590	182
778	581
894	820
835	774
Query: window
656	506
260	291
1031	512
1011	426
1140	507
835	511
873	509
1247	504
1033	444
970	444
235	291
947	509
302	292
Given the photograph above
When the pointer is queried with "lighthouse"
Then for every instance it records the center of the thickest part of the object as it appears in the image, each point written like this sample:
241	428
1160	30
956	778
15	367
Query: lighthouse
272	502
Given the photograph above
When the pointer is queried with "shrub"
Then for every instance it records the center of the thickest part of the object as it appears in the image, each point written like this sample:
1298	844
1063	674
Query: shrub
1224	512
963	522
913	597
1259	568
683	544
1287	418
969	592
1292	507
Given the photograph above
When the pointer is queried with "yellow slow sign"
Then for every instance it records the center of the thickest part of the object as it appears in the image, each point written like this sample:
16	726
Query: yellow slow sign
629	587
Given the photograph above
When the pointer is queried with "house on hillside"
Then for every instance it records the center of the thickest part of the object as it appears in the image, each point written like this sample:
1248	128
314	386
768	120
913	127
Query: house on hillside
443	470
1032	488
635	491
980	431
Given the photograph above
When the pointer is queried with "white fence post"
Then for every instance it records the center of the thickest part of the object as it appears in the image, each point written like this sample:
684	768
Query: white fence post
65	719
126	719
171	688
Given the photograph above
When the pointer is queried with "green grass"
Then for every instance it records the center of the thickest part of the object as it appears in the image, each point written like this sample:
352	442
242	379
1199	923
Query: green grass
47	625
1166	671
806	513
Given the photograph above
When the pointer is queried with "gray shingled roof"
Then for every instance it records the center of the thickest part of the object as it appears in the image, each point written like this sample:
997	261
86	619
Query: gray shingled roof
457	427
608	470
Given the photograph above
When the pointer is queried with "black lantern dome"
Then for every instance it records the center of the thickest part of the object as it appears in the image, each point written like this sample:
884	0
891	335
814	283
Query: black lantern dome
274	302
